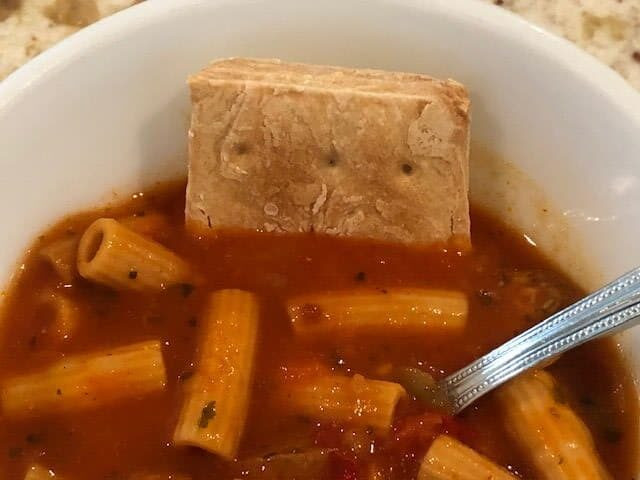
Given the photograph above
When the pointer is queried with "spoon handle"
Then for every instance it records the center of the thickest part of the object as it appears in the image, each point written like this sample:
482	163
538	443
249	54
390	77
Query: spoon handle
613	308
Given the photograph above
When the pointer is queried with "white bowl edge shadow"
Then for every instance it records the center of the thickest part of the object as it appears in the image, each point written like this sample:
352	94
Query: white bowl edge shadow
107	112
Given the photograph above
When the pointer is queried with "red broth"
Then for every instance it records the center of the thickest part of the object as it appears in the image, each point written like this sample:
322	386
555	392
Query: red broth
510	287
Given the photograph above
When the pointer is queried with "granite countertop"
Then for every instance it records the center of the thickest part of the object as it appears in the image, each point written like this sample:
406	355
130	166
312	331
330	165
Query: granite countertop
608	29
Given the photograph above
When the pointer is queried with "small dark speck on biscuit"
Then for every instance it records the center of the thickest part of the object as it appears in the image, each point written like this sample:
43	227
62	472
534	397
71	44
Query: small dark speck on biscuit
332	158
242	148
407	169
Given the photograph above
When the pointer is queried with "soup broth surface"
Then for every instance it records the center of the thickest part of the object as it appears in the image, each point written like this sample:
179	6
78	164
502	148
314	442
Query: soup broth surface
509	286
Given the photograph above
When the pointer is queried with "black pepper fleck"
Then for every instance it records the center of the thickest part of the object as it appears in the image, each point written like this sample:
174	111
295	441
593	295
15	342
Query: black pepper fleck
208	413
33	438
242	148
332	158
499	2
407	169
133	274
360	277
636	56
58	392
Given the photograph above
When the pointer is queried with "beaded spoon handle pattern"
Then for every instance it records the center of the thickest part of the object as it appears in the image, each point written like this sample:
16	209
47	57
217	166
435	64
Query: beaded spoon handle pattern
613	308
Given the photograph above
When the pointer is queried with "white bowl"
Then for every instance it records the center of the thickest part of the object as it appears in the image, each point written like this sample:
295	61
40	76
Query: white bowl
106	111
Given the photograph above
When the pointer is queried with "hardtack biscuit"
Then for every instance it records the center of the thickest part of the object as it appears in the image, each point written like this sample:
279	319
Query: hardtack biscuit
285	147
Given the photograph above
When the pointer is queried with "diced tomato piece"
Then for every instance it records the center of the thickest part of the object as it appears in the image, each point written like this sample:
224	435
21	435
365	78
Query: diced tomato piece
416	432
458	428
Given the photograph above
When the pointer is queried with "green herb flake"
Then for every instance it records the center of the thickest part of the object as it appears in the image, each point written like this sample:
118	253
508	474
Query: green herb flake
208	413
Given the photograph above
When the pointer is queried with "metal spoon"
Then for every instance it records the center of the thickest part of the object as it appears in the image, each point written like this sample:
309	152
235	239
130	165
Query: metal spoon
613	308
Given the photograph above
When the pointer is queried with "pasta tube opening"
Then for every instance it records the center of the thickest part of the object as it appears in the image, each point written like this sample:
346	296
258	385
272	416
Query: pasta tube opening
113	255
547	430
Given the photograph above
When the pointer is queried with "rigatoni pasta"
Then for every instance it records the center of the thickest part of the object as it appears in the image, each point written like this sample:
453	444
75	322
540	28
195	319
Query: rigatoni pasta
216	397
60	315
347	400
113	255
233	389
548	431
450	459
410	311
88	381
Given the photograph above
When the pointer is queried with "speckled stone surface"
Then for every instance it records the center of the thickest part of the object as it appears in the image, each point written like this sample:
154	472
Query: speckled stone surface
27	27
608	29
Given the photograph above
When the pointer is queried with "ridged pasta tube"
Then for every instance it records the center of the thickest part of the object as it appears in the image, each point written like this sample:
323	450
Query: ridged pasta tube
216	397
88	381
113	255
61	313
413	311
449	459
348	400
547	430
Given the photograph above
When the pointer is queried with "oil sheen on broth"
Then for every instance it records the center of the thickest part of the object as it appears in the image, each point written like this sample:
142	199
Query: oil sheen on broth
508	284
